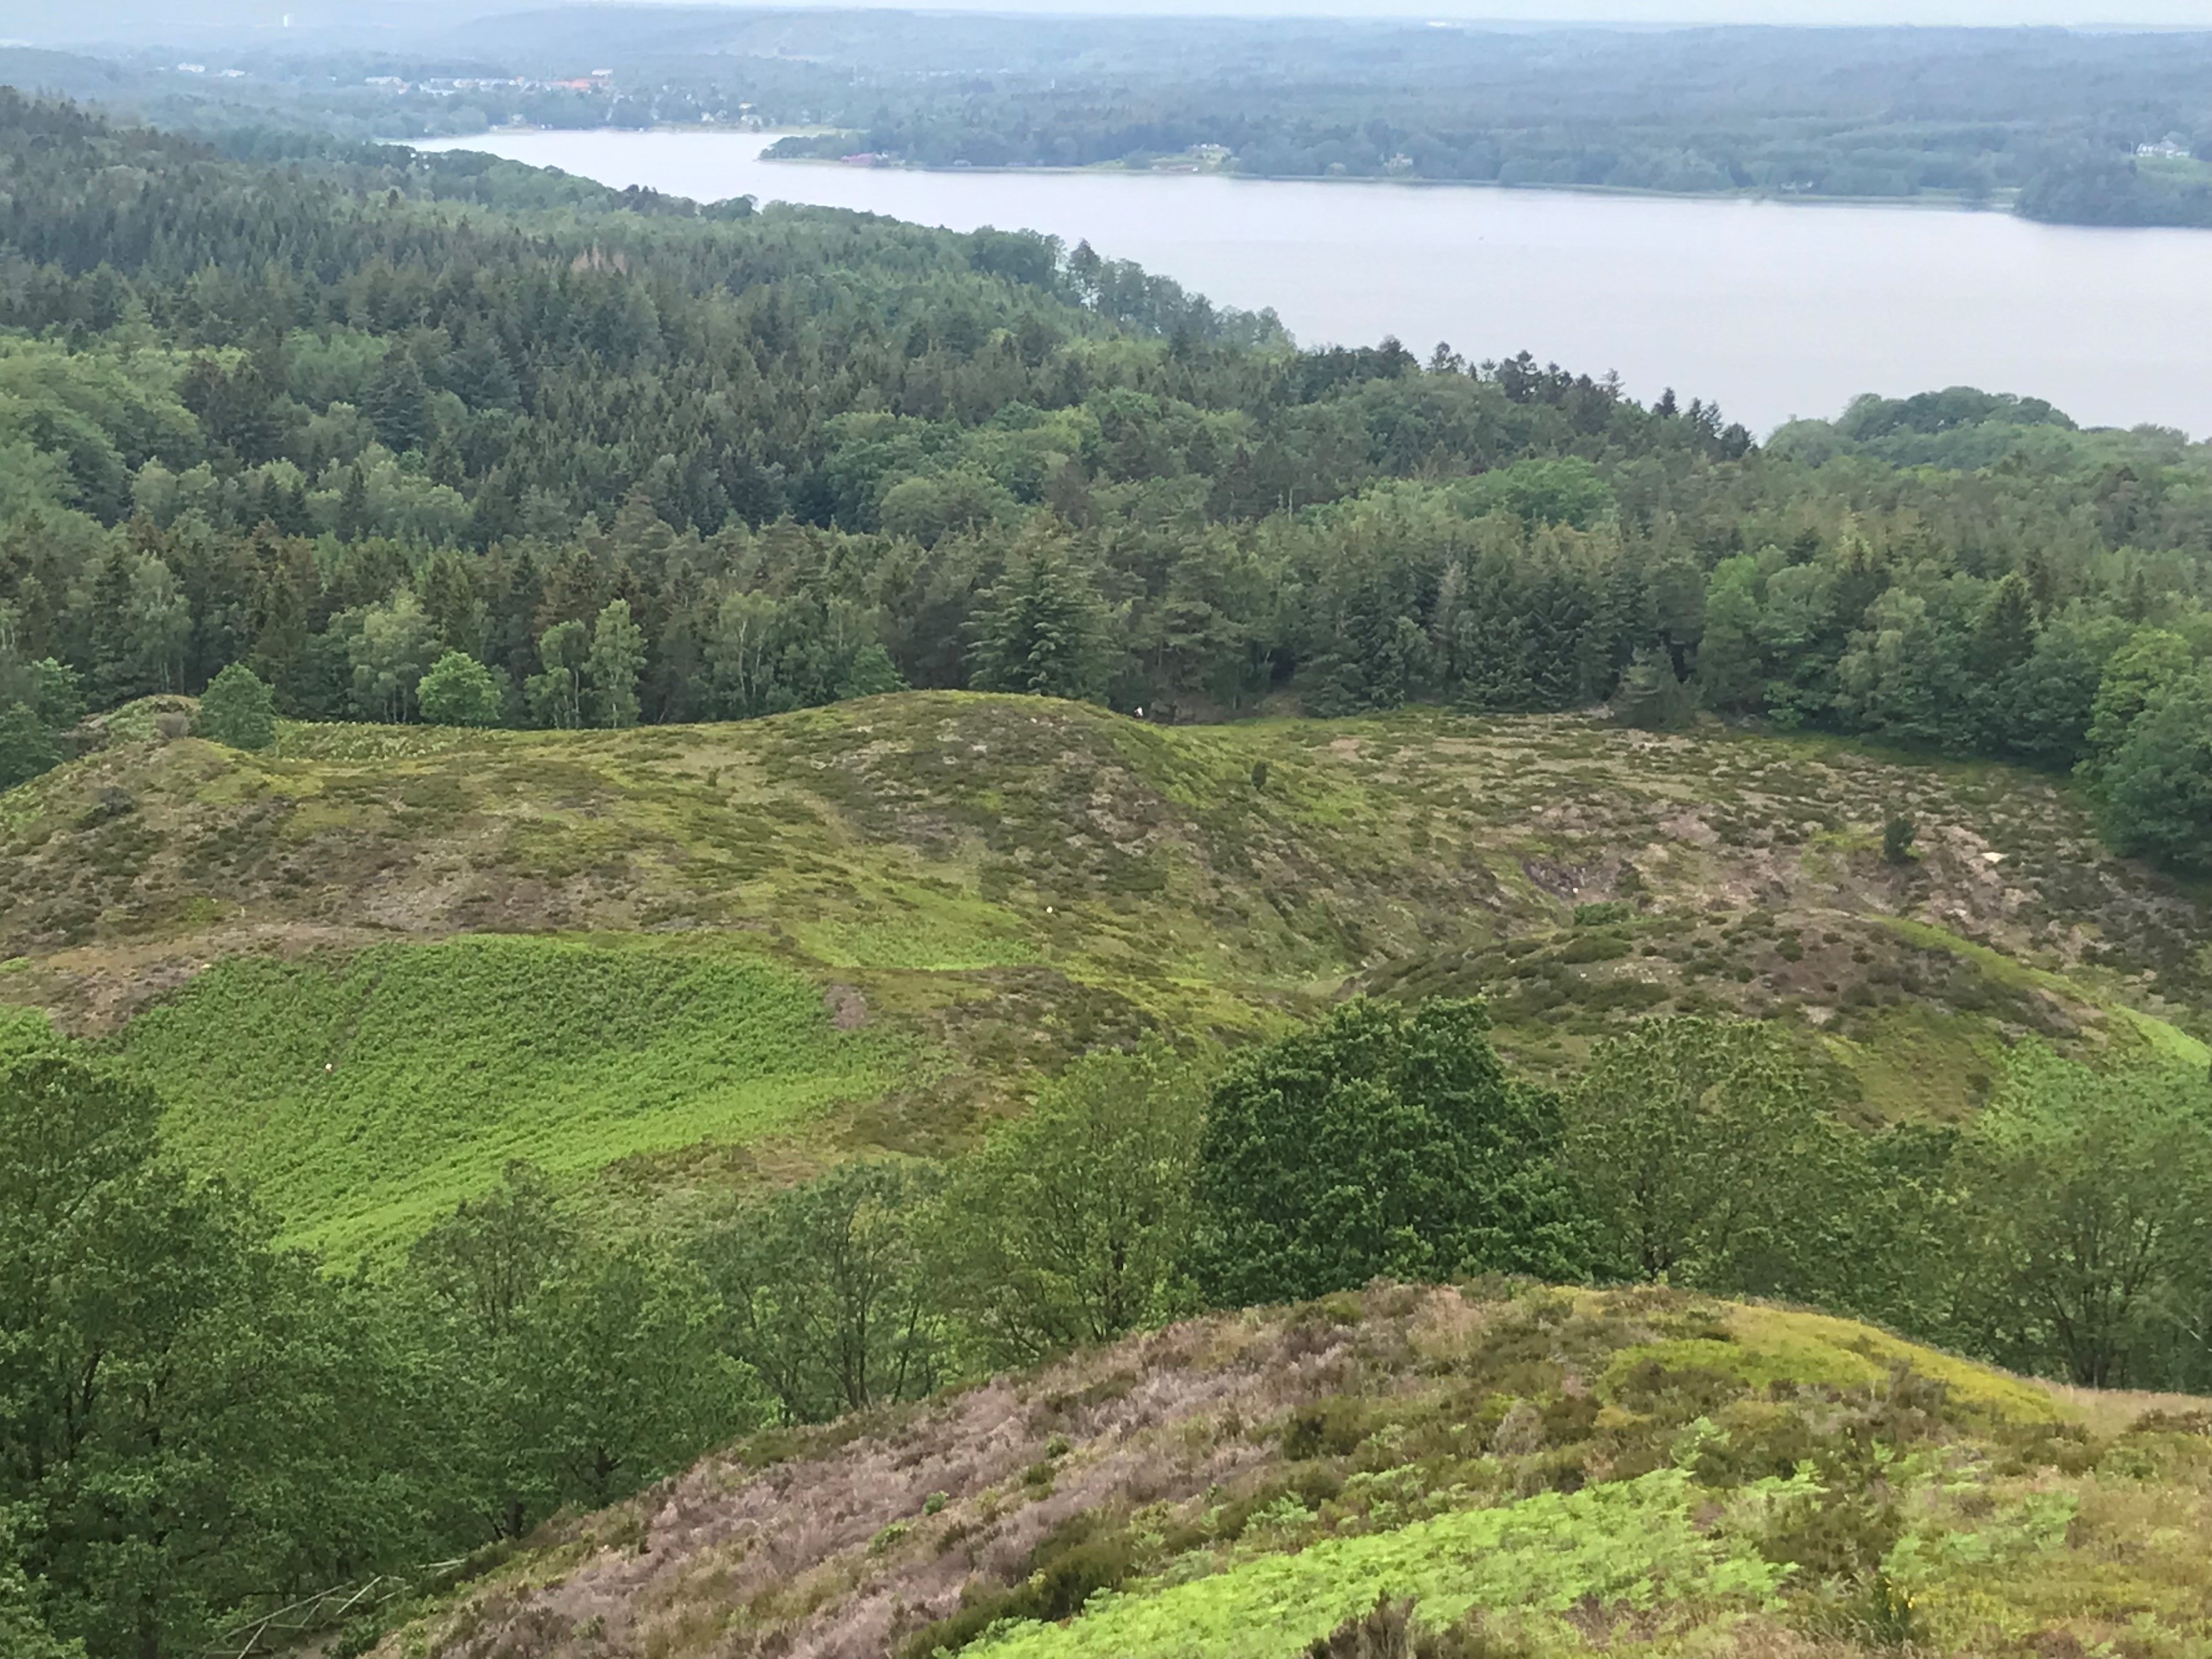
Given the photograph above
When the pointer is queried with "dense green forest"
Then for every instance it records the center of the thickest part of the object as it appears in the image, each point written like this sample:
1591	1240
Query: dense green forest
351	434
384	427
2091	128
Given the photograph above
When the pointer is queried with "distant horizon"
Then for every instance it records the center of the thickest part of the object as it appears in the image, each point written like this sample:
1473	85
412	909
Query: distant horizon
109	24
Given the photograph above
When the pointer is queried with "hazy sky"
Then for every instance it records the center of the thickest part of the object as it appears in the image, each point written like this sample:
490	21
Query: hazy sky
2193	13
2162	12
54	21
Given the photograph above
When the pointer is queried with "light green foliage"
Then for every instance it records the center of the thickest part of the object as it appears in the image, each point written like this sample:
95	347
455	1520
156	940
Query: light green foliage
1898	679
2091	1200
75	422
364	1095
617	658
1702	1152
23	1633
1569	491
238	708
1730	658
829	1300
1379	1143
25	1031
1634	1541
2136	677
394	648
459	690
1070	1225
556	696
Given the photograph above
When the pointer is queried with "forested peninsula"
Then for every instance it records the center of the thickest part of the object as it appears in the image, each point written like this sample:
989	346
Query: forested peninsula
2082	127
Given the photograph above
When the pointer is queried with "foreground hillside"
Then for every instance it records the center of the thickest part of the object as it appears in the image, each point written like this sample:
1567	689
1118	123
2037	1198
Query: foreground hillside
1533	1472
368	965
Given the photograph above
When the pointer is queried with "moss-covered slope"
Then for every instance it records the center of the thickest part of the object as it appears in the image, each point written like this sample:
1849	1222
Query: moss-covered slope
1540	1472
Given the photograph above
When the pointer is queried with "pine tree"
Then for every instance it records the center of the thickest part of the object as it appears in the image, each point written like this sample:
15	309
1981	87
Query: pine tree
398	403
353	520
2004	635
1652	698
1040	630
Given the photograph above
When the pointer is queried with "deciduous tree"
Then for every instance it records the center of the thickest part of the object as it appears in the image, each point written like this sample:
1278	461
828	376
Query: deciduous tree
1070	1225
1383	1142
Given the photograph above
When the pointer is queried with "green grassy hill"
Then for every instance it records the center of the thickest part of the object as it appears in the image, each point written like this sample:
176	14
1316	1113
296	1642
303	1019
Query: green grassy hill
369	965
1539	1473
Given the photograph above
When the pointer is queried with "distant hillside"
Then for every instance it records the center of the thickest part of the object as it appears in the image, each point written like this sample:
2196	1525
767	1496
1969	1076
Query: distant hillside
367	966
1542	1472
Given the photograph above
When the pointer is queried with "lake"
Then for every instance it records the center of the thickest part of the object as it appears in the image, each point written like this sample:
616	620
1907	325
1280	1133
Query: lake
1774	309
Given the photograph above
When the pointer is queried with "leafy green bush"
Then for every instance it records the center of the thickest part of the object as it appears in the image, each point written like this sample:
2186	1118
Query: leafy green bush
1069	1566
238	708
459	690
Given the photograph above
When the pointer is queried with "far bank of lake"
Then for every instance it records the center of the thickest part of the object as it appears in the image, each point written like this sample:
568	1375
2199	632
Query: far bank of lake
1774	308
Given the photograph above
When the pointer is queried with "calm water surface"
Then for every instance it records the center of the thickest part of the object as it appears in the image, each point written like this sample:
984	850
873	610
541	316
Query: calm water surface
1775	310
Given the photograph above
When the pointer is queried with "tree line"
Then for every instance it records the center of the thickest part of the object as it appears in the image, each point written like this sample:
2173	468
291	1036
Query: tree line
199	1422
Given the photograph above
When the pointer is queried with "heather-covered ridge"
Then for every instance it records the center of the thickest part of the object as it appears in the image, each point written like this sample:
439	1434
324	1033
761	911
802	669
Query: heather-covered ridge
1543	1471
897	913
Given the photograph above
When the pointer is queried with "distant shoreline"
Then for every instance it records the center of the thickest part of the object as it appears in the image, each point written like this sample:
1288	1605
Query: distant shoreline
1110	169
2001	203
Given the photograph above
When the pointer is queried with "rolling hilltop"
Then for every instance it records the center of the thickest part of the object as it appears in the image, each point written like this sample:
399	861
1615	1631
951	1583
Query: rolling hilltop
1540	1471
367	966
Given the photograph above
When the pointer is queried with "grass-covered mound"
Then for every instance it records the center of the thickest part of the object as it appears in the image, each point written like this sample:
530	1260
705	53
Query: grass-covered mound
1538	1471
985	886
